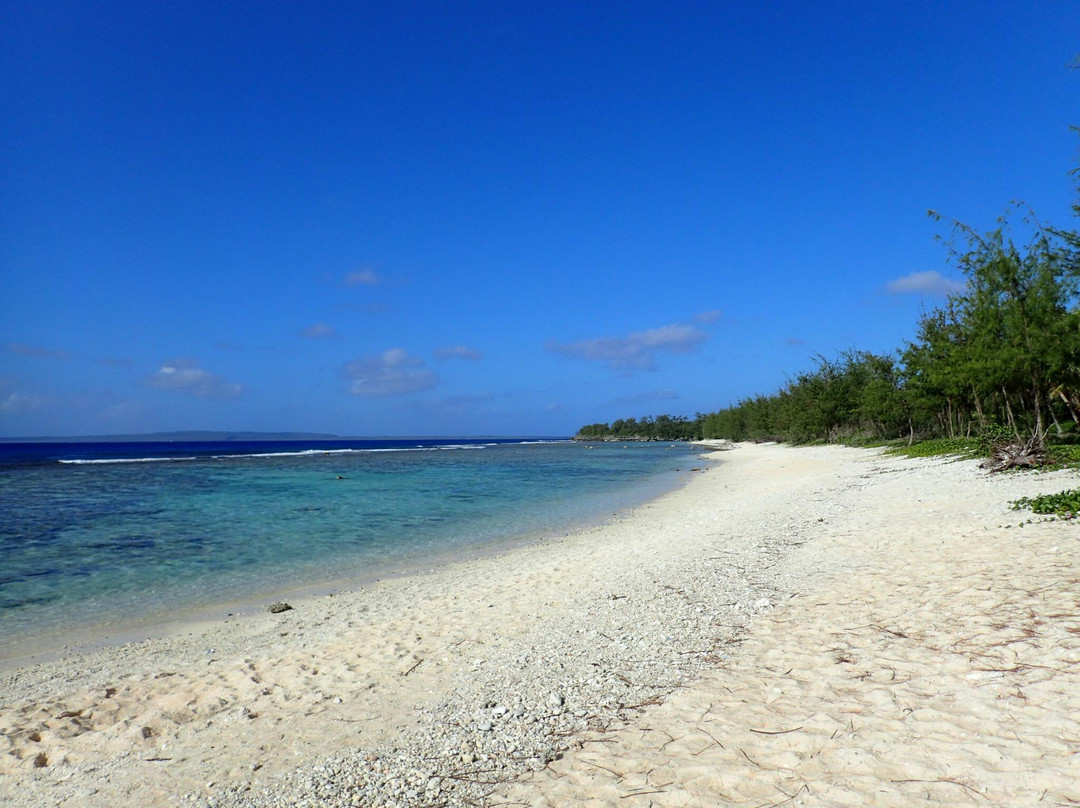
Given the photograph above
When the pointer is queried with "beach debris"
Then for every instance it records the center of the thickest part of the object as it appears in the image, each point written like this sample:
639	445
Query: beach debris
1028	453
279	607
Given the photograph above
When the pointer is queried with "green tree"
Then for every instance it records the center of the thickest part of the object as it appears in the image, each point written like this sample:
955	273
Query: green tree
1018	324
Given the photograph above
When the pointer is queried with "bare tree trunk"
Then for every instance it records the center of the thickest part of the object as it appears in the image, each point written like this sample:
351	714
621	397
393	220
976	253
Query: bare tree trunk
978	406
1008	410
1040	432
1068	404
1057	427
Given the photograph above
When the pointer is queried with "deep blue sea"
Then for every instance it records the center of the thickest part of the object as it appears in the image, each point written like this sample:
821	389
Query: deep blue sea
96	535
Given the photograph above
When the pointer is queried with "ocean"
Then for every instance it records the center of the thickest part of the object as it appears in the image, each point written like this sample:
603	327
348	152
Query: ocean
97	536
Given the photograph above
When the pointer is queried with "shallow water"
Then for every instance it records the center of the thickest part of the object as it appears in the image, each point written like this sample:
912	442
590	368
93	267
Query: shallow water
99	534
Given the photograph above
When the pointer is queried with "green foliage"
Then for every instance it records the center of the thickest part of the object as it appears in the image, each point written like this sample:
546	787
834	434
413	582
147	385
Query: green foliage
998	363
1001	360
856	398
660	427
1064	504
593	432
1063	454
1017	328
934	447
992	435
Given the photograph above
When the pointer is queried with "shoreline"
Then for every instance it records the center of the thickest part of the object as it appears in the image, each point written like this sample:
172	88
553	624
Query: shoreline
504	664
171	622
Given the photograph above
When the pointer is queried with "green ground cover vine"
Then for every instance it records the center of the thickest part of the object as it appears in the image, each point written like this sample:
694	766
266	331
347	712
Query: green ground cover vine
1064	504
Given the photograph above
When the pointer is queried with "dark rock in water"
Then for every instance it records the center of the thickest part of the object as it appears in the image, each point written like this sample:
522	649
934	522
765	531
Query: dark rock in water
279	607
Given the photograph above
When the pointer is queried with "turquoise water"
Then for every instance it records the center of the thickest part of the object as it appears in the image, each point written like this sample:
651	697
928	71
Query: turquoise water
92	541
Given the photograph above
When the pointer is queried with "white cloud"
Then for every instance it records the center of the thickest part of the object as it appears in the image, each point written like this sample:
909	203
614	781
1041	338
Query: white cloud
926	283
457	352
318	331
706	317
123	411
390	373
16	403
363	277
35	351
636	351
185	376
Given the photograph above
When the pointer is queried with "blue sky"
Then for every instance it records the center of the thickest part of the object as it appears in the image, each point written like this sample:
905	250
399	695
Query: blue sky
493	218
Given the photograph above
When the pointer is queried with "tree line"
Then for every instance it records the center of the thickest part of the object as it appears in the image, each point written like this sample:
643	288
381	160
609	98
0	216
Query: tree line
1003	353
660	427
1001	356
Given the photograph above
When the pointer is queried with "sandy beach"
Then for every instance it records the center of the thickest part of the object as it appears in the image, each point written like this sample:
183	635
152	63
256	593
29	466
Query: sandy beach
816	626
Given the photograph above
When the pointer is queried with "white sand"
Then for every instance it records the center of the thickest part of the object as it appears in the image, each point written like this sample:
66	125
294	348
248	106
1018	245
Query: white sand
939	664
929	656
